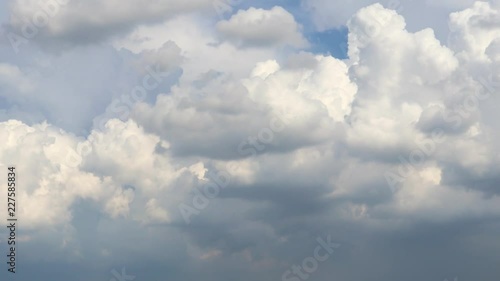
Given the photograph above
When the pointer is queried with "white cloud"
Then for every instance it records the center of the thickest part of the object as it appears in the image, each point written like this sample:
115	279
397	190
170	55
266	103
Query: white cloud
474	30
259	27
117	169
214	119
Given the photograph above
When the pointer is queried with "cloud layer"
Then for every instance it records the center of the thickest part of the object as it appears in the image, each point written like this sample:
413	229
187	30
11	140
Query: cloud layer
224	148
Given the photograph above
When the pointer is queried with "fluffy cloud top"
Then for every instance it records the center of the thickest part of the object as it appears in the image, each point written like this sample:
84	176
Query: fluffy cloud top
256	27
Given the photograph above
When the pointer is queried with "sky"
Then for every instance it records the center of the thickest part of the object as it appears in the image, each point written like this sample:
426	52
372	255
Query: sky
251	140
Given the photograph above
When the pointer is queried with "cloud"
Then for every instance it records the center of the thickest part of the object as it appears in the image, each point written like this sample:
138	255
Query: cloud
60	169
74	22
215	120
200	47
393	150
259	27
474	30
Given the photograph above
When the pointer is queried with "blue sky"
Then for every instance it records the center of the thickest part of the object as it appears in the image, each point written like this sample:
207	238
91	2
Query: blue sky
278	140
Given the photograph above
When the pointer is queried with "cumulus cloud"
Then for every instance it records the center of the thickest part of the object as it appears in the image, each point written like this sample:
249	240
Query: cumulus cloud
420	76
256	27
58	169
474	30
215	119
